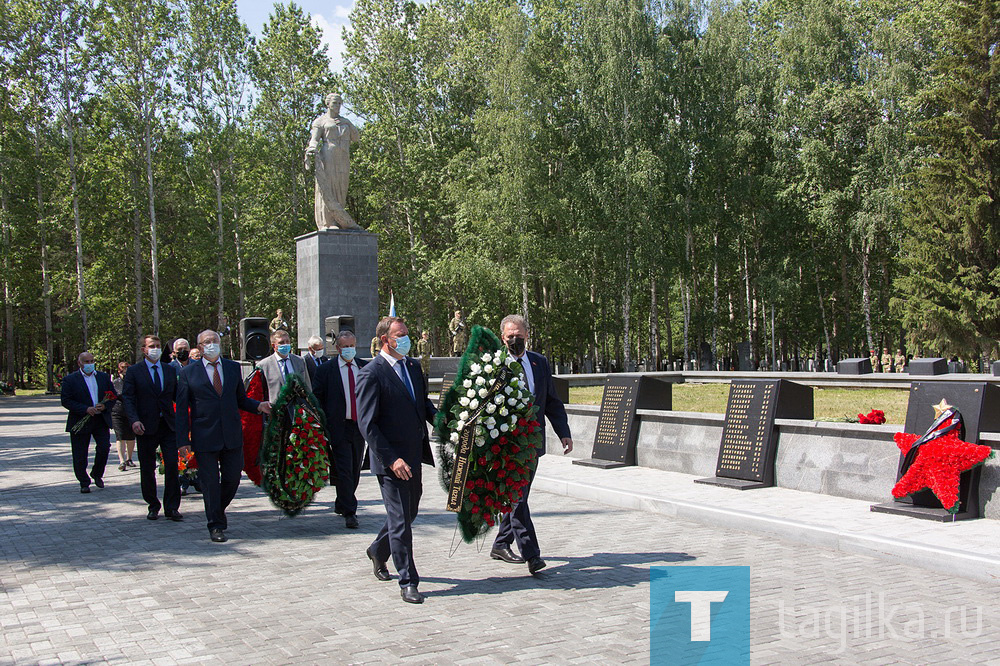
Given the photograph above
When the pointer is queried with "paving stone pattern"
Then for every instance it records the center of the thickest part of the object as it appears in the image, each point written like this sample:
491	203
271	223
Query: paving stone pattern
87	579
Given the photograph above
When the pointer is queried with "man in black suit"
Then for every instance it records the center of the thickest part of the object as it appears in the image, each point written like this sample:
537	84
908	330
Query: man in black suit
536	373
148	392
335	387
315	357
394	412
210	395
82	392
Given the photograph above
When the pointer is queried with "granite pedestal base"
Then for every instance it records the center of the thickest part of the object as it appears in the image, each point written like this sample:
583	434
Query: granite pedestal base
337	274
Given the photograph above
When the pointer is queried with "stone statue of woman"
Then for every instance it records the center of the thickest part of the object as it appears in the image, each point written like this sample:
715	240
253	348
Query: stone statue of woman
329	150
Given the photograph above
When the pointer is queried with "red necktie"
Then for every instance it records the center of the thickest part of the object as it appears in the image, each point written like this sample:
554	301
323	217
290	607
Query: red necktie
350	385
216	378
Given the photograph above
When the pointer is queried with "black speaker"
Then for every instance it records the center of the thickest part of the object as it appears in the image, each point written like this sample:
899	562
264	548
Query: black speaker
334	325
255	339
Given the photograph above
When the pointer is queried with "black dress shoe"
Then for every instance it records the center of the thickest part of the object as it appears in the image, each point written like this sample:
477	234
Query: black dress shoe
99	483
504	553
535	564
153	514
84	489
378	568
174	516
351	522
121	467
410	595
218	536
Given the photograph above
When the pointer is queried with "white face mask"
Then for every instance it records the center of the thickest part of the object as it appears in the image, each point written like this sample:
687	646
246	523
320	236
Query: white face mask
154	354
319	353
211	350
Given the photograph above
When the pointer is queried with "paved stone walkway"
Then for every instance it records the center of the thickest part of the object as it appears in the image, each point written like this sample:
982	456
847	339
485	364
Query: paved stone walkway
87	579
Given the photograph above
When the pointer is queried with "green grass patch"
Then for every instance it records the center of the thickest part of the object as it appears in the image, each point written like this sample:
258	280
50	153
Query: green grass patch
830	404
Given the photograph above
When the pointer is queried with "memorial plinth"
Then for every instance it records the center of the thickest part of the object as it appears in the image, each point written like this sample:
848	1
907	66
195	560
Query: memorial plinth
617	427
979	404
749	441
336	274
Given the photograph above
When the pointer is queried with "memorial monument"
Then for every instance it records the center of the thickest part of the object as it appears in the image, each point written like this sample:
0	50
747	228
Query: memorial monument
337	265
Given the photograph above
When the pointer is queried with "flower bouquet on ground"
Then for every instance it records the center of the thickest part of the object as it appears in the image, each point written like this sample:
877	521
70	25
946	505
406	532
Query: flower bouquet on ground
6	389
488	435
874	417
294	463
253	428
109	396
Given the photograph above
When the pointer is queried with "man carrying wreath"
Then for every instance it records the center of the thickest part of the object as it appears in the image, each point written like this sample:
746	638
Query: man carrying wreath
535	370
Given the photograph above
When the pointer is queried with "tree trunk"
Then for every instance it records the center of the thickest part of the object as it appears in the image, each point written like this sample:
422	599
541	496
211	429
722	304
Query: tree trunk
137	262
46	290
627	314
239	266
7	305
654	323
751	337
70	121
822	310
715	299
866	296
154	263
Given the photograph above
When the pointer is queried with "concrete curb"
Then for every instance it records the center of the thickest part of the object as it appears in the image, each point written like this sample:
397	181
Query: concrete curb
973	566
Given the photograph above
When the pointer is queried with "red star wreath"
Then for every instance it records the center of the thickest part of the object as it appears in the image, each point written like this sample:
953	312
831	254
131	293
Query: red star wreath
939	461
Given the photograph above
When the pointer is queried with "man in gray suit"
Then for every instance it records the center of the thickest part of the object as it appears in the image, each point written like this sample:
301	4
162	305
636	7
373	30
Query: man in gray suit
281	364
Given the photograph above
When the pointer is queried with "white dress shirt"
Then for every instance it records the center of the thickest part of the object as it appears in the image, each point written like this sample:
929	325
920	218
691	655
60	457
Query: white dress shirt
211	371
347	384
91	381
528	374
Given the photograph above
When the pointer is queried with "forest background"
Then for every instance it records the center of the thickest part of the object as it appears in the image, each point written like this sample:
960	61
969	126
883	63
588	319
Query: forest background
642	179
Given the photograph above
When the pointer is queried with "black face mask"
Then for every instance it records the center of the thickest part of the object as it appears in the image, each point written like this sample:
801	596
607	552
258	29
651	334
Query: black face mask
182	355
515	345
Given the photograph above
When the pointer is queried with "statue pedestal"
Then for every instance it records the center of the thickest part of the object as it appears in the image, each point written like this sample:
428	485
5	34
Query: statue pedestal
336	274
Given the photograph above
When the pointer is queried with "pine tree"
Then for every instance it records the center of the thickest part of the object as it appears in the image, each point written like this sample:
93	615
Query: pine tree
949	298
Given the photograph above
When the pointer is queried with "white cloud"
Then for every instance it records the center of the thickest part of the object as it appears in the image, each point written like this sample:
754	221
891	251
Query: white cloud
332	29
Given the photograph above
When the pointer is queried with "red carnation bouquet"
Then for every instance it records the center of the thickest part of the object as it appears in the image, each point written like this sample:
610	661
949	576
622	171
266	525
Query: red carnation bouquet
82	423
874	417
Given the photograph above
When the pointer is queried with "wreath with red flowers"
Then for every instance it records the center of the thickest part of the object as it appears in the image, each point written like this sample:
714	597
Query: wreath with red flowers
294	463
253	428
488	408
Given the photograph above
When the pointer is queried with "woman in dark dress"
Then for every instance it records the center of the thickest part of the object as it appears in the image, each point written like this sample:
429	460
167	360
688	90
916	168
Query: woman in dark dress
125	439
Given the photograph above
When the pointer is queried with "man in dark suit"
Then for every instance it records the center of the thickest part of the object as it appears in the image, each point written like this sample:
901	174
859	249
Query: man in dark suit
210	394
517	524
335	388
315	357
148	392
394	412
82	392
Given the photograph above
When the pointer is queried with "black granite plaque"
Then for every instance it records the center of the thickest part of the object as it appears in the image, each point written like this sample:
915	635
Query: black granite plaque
979	404
749	441
854	366
446	381
617	425
927	366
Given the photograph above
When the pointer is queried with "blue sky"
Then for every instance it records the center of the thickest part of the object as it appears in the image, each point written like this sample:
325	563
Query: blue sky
330	16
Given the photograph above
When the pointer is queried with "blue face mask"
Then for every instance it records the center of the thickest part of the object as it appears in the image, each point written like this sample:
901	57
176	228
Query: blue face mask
88	368
284	350
348	353
403	345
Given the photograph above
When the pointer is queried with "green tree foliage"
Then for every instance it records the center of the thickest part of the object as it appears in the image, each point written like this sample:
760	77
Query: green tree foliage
646	181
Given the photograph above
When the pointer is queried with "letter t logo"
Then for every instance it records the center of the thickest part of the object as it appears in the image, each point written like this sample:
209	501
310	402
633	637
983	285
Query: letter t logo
701	610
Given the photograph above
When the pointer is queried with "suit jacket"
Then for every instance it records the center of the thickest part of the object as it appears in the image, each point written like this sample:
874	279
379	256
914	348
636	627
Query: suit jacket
75	397
393	424
312	366
143	402
205	420
328	387
548	403
275	377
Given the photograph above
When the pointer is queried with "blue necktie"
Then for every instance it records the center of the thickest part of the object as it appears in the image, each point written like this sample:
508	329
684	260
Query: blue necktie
406	380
